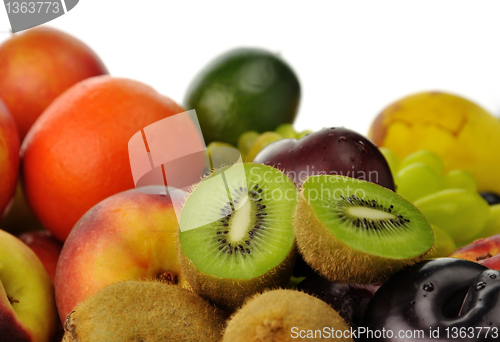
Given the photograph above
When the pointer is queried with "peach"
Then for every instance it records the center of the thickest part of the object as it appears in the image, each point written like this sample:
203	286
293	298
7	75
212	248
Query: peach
480	250
9	158
38	65
27	306
128	236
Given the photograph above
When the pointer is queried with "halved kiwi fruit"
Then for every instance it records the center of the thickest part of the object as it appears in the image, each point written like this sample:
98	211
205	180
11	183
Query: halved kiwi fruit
354	231
236	233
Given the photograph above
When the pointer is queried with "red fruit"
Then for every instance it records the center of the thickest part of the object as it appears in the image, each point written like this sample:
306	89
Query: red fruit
9	157
39	64
333	151
485	251
46	248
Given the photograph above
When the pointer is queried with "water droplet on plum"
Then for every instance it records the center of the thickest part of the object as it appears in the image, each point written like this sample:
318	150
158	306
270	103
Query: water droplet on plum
481	285
429	287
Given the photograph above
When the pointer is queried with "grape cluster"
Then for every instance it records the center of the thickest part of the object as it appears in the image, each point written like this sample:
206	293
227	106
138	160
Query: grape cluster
450	201
251	143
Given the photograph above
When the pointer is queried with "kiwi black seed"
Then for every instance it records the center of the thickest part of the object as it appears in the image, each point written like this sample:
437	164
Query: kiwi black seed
353	231
285	315
144	311
236	233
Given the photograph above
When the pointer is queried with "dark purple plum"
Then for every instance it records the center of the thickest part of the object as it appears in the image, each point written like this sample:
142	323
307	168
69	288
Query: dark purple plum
444	299
349	300
332	151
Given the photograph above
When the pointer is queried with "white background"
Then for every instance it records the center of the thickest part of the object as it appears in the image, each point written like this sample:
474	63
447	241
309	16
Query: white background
352	57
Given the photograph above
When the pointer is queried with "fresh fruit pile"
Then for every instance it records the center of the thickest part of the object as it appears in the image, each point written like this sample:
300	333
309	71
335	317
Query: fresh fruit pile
309	236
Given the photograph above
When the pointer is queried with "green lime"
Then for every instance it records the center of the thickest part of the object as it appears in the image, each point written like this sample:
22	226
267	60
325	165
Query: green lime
242	90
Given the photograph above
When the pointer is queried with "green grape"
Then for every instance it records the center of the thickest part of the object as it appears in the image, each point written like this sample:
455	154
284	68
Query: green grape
493	224
444	245
223	156
417	180
428	158
262	141
460	213
392	159
304	133
287	131
246	140
460	179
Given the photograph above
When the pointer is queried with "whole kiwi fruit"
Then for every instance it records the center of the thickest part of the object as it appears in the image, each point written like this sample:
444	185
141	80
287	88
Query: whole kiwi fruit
285	315
144	311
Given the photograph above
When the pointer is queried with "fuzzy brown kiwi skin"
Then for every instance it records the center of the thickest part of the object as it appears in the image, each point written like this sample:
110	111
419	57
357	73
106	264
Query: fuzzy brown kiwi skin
272	315
229	294
333	259
144	310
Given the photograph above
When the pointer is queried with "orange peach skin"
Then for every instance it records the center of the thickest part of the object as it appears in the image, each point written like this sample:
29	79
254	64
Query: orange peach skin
479	250
9	158
128	236
37	66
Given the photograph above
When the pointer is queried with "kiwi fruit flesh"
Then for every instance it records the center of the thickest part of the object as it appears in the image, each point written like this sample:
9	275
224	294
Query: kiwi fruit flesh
144	311
354	231
242	242
284	315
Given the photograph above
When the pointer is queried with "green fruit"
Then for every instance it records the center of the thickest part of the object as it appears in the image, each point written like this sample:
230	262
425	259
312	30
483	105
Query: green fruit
304	133
460	213
392	159
262	141
287	131
144	311
243	89
460	179
245	141
428	158
492	226
354	231
236	233
222	154
444	245
417	180
280	315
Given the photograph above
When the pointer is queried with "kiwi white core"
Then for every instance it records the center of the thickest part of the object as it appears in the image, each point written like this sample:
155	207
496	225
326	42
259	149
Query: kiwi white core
370	213
242	219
